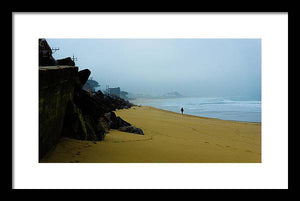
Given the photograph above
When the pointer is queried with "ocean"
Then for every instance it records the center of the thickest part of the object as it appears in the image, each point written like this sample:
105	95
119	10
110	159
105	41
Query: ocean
221	108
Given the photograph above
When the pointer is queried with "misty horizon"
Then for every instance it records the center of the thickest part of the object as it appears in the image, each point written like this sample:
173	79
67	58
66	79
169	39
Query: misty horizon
192	67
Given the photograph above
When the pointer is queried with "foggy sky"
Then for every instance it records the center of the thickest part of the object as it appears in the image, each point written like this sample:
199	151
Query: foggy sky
193	67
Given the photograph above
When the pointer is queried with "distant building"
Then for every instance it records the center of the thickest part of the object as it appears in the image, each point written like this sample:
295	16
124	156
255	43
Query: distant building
114	91
117	92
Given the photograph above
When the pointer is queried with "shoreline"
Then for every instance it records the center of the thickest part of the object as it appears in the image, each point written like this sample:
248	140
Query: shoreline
142	100
168	137
252	122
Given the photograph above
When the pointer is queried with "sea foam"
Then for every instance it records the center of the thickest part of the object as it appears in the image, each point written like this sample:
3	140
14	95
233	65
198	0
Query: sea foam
221	108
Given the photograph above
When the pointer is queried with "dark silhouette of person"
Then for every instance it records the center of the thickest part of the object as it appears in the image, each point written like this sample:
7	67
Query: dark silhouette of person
182	110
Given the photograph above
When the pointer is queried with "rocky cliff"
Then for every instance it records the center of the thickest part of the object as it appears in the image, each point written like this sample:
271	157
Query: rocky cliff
56	90
65	109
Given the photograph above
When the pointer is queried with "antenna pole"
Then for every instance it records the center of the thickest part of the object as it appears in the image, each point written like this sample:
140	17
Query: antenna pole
74	58
54	49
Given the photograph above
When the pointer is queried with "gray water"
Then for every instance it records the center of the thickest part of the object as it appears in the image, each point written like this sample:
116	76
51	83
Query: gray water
221	108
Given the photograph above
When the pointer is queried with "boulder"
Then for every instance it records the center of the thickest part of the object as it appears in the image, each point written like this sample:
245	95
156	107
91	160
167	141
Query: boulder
80	126
89	105
100	94
102	128
65	62
92	132
83	76
131	129
112	120
115	122
122	123
103	124
45	54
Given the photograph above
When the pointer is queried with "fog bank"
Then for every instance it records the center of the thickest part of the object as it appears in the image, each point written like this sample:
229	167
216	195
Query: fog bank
193	67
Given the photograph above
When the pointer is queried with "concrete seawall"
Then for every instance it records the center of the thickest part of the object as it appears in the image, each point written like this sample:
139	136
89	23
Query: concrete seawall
56	89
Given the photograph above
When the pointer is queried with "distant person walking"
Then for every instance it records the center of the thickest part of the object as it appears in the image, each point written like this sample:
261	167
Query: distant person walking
182	110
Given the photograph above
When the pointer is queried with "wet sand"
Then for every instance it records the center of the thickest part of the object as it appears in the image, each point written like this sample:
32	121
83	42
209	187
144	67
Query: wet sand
168	137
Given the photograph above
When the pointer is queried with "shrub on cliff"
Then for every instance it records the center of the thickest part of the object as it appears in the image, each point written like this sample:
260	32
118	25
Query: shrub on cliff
91	85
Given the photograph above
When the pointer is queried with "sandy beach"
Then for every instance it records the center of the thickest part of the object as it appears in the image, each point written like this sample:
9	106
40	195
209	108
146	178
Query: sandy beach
168	137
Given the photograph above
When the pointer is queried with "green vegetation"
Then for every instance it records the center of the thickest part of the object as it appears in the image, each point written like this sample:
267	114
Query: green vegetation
91	85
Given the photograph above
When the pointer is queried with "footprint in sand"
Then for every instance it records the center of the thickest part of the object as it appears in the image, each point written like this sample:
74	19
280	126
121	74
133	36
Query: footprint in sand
206	142
248	151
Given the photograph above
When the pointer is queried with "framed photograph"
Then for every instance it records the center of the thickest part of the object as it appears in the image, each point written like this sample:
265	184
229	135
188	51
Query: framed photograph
150	100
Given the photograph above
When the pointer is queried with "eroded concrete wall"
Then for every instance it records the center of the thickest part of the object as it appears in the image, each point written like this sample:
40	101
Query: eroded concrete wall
56	89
